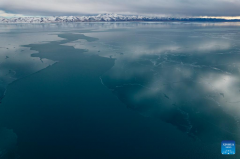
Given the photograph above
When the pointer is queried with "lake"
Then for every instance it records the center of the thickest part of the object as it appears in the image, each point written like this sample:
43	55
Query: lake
119	90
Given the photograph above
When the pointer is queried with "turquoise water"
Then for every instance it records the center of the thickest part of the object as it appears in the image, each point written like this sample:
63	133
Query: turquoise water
119	90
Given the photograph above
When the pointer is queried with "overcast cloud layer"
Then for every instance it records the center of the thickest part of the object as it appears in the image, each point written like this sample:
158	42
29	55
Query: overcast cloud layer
140	7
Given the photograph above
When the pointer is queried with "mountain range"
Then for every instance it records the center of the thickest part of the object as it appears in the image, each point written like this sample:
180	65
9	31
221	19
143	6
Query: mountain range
102	18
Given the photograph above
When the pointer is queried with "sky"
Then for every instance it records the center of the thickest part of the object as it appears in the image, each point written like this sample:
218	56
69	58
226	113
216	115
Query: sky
209	8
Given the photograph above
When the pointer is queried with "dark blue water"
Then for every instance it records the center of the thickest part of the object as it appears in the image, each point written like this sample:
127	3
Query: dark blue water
119	90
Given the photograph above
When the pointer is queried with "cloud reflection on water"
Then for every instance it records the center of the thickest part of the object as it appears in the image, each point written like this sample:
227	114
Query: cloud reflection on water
186	77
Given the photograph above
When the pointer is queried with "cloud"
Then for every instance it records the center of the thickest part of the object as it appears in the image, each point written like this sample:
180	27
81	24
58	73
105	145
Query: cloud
4	14
143	7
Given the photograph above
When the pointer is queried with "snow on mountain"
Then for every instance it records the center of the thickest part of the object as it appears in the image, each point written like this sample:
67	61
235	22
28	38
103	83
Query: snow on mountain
99	18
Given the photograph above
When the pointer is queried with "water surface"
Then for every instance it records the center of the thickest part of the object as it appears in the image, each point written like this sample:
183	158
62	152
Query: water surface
119	90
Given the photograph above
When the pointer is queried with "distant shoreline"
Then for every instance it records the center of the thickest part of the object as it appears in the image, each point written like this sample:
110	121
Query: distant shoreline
109	18
110	22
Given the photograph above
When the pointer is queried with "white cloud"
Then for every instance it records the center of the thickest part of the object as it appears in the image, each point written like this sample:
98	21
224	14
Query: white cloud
78	7
4	14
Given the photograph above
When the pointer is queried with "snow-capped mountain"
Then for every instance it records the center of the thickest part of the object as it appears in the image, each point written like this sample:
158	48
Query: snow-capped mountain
57	19
99	18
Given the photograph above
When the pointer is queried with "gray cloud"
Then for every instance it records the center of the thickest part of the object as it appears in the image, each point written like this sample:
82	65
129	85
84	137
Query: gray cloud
143	7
